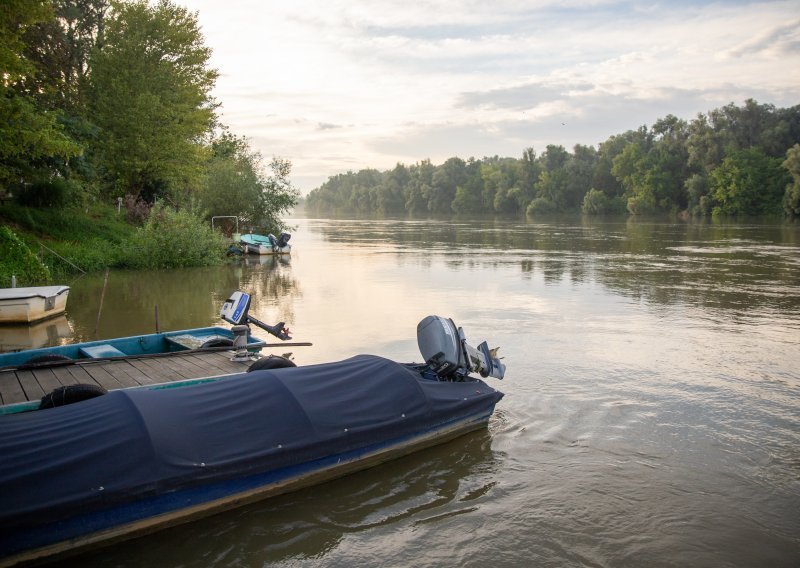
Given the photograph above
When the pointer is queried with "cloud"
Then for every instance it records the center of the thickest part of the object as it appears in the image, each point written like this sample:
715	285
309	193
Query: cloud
778	41
367	83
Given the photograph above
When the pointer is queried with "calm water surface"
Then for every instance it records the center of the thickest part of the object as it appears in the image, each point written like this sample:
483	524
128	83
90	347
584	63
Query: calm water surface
652	409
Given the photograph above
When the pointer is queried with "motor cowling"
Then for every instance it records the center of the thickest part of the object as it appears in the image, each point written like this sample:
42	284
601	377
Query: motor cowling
446	351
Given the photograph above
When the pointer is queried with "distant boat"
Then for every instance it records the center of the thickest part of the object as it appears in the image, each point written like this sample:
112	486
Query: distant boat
26	305
259	244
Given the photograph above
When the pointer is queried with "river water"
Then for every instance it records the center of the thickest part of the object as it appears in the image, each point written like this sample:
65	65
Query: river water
652	408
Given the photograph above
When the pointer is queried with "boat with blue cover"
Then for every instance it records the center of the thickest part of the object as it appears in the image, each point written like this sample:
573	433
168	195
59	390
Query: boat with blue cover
135	460
269	244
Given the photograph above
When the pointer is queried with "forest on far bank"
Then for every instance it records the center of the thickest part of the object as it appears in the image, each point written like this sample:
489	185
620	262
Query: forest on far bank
732	161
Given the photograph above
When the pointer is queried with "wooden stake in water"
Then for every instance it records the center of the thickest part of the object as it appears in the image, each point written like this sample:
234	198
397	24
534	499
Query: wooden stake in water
100	308
157	330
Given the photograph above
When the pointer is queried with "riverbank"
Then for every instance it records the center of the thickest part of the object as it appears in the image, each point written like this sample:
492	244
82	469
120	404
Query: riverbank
43	245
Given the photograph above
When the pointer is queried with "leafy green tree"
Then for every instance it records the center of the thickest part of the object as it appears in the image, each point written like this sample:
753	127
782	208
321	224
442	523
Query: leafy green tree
27	133
419	188
445	182
748	182
151	98
59	49
791	197
391	199
277	195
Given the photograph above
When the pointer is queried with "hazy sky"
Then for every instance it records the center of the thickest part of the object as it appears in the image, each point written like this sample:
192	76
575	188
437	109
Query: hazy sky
341	85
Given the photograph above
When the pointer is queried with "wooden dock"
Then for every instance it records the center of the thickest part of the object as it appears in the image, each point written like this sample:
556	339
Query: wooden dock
18	385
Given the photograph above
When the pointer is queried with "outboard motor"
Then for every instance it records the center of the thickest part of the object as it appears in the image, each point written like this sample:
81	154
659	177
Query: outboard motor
283	239
234	311
445	350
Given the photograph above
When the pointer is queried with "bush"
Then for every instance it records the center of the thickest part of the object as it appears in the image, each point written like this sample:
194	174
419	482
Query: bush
17	259
595	202
47	193
542	206
171	239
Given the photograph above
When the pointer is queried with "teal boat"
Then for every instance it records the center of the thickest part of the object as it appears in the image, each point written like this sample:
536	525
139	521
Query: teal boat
259	244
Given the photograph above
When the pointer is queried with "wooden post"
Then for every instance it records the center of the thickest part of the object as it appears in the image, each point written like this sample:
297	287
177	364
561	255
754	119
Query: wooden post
100	308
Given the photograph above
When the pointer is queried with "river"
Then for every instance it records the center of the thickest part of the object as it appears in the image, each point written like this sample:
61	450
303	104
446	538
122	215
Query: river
652	408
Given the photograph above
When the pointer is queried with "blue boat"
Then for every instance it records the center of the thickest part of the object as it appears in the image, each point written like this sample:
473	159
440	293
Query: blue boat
135	460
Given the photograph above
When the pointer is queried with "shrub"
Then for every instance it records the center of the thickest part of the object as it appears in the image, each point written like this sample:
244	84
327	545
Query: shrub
46	193
17	259
171	239
542	206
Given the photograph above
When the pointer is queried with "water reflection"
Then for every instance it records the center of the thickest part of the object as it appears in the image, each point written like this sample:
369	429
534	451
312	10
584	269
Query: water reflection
432	485
42	334
718	266
129	302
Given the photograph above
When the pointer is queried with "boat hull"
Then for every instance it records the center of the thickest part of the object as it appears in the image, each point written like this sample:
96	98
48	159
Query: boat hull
167	456
28	305
266	250
243	492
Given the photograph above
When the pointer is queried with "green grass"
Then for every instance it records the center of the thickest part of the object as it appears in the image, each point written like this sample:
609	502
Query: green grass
100	238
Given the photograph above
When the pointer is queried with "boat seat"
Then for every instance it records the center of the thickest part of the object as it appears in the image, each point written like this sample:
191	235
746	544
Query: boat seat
99	351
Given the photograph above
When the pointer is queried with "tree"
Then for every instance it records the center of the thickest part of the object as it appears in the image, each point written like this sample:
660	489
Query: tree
237	185
151	98
59	49
791	197
27	134
748	182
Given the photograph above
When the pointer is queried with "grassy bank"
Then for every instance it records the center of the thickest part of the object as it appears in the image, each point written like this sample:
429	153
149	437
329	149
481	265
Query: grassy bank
40	246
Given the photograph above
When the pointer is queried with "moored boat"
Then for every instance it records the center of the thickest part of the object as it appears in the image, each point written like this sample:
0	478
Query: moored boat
31	304
134	460
260	244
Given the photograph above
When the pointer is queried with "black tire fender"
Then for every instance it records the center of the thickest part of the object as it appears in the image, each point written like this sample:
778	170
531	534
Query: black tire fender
33	361
70	394
271	362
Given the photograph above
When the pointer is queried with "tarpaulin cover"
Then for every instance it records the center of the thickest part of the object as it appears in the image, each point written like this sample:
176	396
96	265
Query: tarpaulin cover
132	444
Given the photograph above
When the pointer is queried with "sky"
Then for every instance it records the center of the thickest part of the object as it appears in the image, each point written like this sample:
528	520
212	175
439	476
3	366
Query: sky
341	85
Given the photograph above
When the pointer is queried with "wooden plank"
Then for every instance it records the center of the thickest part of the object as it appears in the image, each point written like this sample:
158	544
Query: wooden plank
102	377
47	379
176	368
32	389
136	374
80	375
190	366
115	369
10	389
221	361
210	360
64	376
157	375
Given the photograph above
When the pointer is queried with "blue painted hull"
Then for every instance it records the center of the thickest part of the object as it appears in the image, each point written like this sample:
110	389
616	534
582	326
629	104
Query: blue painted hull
147	344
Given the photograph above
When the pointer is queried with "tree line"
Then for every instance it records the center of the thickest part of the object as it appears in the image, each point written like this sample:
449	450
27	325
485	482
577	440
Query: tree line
732	161
108	99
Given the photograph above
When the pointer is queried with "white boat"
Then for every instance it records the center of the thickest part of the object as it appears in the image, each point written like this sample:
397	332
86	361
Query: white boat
26	305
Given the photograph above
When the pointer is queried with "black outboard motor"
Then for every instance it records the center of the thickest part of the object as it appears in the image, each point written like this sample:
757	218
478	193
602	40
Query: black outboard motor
283	239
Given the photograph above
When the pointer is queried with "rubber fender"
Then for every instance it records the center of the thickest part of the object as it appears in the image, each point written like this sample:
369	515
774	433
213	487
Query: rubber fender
70	394
271	362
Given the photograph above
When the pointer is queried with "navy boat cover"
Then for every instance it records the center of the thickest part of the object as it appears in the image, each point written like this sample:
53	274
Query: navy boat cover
133	444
